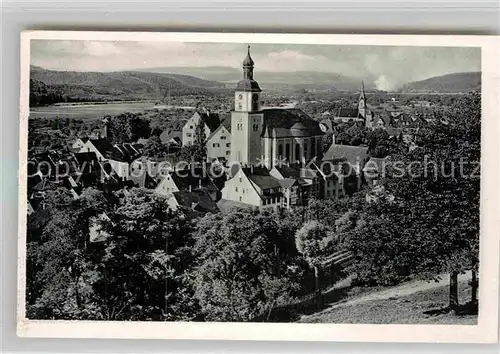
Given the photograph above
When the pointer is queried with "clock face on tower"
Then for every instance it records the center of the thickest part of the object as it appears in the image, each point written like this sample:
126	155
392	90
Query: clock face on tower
240	96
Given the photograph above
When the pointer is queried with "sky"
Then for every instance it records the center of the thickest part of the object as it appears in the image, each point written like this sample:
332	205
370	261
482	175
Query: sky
390	66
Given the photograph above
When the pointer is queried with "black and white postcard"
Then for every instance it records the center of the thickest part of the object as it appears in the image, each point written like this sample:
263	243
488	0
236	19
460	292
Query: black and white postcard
259	187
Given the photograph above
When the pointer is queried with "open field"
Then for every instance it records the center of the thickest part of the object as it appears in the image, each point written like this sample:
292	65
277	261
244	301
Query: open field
91	111
410	303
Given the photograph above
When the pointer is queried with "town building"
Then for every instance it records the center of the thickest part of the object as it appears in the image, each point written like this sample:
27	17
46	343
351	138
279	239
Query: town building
208	123
218	144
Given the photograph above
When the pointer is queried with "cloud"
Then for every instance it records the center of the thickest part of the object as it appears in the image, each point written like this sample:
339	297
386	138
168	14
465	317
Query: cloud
389	67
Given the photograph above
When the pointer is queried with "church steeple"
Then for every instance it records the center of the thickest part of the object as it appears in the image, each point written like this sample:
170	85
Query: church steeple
248	66
362	96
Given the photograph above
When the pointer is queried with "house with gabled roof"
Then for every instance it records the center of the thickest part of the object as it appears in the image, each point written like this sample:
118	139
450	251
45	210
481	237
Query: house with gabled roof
118	156
254	186
171	137
355	158
188	179
219	142
209	121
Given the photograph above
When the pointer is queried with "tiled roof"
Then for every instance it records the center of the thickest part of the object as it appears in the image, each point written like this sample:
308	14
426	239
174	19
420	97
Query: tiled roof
197	200
344	112
287	182
352	154
102	145
289	122
260	176
169	135
212	120
194	178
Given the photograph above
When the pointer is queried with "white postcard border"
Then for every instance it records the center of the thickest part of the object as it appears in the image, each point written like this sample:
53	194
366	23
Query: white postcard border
486	331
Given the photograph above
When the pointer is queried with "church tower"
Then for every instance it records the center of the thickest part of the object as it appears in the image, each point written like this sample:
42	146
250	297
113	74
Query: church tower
363	109
247	118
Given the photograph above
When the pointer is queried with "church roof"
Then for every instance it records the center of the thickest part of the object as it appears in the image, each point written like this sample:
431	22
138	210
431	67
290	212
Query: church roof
248	85
289	122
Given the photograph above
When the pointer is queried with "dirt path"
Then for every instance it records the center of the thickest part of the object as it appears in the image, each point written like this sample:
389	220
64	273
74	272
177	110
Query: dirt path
401	290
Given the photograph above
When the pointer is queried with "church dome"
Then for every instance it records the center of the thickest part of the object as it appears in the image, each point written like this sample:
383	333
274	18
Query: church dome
299	130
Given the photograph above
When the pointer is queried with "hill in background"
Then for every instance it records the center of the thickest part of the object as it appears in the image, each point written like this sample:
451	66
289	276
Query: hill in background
274	80
48	86
450	83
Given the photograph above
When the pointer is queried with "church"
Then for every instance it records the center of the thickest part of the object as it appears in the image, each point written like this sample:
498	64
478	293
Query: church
263	136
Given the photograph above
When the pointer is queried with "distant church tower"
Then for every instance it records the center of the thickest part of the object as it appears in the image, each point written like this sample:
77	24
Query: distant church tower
363	109
247	118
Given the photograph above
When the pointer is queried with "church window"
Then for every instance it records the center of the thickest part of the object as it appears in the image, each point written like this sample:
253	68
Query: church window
255	127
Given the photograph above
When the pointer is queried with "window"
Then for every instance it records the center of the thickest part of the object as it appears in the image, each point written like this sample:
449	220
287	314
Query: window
189	135
240	199
228	152
222	137
213	145
287	151
240	180
255	127
228	144
280	151
190	127
236	189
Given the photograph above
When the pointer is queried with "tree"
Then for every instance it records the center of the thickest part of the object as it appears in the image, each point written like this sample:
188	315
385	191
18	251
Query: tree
144	262
61	259
128	127
314	241
244	268
155	148
432	224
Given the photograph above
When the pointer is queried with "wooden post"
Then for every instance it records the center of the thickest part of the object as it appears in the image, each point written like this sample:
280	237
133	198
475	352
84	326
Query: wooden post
319	296
474	287
454	292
